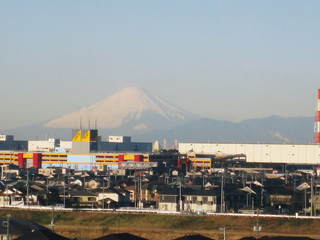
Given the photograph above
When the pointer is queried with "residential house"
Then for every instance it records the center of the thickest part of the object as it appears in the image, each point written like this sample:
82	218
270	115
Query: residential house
200	201
11	197
114	197
191	200
80	199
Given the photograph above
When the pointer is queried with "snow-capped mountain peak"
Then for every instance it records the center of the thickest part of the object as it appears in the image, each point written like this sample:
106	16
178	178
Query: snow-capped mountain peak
132	106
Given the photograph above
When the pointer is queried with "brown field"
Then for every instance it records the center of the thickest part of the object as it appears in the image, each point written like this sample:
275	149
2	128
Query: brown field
87	225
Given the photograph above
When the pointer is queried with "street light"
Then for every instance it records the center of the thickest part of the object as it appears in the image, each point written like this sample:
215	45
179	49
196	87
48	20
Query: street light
6	224
257	228
279	209
224	232
52	219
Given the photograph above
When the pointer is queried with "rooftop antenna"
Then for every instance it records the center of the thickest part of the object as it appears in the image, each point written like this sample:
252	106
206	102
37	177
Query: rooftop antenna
95	124
89	123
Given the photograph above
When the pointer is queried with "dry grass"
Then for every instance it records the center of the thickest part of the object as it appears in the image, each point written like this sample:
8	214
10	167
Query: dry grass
85	225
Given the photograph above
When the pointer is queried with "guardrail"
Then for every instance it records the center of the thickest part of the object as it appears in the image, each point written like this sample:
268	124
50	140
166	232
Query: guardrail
156	211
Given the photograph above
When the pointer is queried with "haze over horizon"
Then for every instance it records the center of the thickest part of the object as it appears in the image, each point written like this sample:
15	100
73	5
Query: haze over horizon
219	59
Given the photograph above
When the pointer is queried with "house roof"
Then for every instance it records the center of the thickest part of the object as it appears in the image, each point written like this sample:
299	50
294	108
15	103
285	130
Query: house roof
42	235
193	237
277	238
19	226
121	236
80	193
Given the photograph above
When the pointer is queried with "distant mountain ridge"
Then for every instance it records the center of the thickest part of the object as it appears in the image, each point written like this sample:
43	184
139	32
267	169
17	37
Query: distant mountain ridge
272	129
147	117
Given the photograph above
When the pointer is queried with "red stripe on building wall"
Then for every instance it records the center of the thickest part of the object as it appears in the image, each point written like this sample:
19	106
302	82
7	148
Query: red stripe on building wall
318	116
21	161
317	137
138	158
37	160
121	158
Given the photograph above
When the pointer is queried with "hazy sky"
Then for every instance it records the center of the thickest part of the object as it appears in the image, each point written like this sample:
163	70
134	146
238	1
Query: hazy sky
222	59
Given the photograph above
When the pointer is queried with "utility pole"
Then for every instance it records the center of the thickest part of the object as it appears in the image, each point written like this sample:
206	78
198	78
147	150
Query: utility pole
135	191
8	226
222	194
257	228
224	232
103	192
180	195
27	187
312	197
52	219
202	179
140	190
64	194
141	195
305	201
47	193
261	198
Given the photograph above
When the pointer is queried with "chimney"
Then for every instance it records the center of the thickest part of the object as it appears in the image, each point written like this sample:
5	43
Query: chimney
317	120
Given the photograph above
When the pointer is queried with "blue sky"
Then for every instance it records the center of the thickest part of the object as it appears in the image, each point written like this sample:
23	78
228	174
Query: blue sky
222	59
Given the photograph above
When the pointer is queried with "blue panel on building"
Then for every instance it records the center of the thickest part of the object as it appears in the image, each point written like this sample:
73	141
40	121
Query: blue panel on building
90	159
81	162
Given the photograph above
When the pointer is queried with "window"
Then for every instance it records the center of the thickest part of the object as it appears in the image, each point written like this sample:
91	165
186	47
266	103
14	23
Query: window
194	199
168	198
205	200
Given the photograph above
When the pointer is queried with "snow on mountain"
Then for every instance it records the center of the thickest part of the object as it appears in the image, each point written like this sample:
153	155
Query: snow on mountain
130	106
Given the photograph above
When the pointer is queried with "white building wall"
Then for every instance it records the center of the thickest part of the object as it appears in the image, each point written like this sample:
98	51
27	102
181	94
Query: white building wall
259	153
41	146
67	145
167	206
113	196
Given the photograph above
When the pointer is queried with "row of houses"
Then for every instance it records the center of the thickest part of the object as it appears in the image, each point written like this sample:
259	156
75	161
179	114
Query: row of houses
164	188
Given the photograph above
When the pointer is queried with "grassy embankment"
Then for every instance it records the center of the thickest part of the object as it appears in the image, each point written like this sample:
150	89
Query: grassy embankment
87	225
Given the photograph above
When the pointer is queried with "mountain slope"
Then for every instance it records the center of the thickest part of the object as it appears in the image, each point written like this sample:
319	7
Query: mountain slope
130	108
264	130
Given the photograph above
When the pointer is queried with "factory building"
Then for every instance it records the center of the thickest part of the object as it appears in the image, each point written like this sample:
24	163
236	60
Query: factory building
76	161
83	142
296	154
86	151
7	142
124	143
300	154
88	141
50	145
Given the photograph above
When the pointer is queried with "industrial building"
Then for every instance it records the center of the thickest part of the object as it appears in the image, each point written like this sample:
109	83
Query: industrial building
85	151
88	141
50	145
257	153
295	154
7	142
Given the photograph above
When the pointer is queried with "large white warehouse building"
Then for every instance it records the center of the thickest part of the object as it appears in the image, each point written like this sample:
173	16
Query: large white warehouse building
259	153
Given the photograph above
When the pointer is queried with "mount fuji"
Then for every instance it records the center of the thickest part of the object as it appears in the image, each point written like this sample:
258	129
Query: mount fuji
131	109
